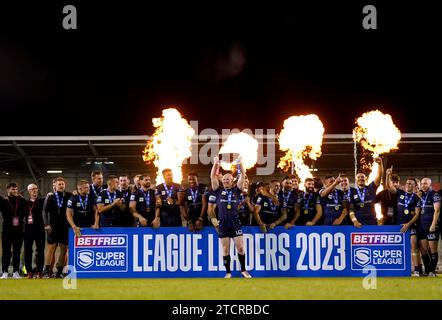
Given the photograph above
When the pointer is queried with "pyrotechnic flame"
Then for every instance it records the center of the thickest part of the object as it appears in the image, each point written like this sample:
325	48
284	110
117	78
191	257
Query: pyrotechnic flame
378	134
242	144
301	137
170	144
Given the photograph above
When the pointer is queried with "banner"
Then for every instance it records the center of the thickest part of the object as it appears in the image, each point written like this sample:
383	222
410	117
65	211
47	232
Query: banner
318	251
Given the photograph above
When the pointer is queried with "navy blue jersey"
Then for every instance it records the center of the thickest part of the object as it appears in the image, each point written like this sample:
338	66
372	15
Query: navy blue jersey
333	205
227	201
169	197
427	204
145	203
308	204
363	200
83	210
207	194
288	200
193	200
269	212
95	191
406	204
110	218
245	216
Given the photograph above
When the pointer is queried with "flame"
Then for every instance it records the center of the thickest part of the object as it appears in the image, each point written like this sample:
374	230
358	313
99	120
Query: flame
170	144
379	135
243	144
300	137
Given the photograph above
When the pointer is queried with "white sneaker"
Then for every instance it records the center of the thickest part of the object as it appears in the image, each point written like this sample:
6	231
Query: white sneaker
5	275
228	276
432	275
15	275
245	274
415	274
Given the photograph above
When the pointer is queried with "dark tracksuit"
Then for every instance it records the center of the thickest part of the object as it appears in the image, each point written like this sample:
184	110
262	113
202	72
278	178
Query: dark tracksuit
34	232
14	210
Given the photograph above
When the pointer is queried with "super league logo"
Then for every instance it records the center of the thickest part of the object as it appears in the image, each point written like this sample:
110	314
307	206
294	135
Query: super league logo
85	258
362	256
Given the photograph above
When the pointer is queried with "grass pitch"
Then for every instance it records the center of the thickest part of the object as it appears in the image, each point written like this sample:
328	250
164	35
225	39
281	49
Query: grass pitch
219	289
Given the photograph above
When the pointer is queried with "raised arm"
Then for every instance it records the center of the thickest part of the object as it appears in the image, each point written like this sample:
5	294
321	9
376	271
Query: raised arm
389	184
378	178
214	174
326	191
242	175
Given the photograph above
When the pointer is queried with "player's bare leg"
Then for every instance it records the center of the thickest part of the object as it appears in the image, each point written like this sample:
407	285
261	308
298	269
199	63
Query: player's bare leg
239	244
415	257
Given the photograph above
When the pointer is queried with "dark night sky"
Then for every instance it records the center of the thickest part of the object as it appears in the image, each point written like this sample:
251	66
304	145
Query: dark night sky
248	67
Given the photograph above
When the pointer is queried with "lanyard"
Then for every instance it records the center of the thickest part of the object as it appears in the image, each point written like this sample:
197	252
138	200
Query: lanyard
194	195
16	205
111	199
59	201
361	195
408	199
336	197
83	204
147	197
286	198
95	191
124	192
272	205
229	198
307	205
168	191
424	200
33	205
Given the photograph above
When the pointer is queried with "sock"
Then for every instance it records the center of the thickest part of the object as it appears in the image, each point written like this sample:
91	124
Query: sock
48	269
433	264
226	260
426	260
418	268
242	261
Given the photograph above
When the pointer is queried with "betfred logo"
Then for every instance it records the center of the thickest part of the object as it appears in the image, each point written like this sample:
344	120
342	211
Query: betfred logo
101	241
375	238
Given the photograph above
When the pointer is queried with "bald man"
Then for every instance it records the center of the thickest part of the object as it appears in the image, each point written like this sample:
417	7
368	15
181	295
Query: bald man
427	232
34	232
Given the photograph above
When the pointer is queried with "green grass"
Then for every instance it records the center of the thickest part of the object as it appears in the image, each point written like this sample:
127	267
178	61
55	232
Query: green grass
269	288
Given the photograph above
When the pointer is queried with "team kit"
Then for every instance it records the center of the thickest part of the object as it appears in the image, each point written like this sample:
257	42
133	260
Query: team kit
229	202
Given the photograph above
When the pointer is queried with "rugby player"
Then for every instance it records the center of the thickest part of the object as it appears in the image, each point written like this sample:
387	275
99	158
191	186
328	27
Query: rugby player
169	198
267	212
96	185
194	206
332	200
81	210
362	198
111	204
408	211
126	218
427	232
227	199
309	211
288	197
142	203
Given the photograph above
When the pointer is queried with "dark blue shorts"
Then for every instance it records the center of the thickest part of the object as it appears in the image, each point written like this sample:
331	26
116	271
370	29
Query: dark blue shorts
423	233
229	228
